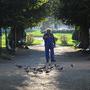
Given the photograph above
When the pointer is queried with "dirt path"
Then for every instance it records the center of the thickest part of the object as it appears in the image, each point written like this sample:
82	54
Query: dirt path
70	78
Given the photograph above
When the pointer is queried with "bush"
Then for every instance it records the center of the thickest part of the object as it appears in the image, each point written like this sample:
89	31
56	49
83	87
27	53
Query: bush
29	39
63	40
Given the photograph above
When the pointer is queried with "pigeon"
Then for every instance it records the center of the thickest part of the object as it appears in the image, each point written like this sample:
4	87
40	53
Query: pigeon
52	67
72	65
34	69
26	69
60	69
19	66
42	68
35	72
39	70
57	66
47	71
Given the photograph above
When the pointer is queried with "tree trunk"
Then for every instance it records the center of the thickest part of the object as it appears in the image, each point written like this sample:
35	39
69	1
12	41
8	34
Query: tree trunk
20	36
84	36
0	40
6	38
11	38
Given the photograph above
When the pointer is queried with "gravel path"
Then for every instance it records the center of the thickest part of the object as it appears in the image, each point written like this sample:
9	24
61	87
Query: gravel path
70	78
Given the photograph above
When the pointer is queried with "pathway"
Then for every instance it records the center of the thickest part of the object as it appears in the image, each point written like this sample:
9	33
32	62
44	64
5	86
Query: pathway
70	78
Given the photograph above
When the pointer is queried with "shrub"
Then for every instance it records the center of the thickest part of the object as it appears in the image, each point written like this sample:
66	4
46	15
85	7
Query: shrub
29	39
63	40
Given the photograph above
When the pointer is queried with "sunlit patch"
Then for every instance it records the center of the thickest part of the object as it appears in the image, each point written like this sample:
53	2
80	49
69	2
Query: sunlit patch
40	78
42	81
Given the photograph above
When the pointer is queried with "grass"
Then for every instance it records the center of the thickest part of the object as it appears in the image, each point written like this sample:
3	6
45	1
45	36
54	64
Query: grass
68	36
3	40
37	33
37	42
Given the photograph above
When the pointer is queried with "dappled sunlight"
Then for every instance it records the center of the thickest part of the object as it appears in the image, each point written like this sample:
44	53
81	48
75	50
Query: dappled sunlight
37	47
75	70
47	81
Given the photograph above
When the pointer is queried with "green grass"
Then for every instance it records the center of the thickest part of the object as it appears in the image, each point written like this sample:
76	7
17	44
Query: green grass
37	33
37	42
68	35
3	40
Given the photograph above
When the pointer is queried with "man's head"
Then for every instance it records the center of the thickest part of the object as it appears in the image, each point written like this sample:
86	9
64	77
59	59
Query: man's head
48	30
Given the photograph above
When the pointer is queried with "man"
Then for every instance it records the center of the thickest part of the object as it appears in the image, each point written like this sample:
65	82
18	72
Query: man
49	41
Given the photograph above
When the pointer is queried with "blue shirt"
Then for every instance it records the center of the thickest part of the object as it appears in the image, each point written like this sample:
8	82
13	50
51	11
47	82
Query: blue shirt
49	39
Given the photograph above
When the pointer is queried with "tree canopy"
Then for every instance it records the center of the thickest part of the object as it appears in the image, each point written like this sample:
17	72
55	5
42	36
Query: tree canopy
74	11
24	12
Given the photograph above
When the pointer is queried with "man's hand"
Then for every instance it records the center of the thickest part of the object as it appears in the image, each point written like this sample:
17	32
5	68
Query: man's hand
45	37
55	38
54	45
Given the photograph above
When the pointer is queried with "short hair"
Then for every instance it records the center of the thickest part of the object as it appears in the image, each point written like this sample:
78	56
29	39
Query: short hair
48	29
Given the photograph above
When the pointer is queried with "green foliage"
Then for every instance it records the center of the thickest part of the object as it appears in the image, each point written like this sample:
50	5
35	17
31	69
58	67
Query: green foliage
3	40
63	40
37	42
29	39
68	36
27	13
74	11
37	33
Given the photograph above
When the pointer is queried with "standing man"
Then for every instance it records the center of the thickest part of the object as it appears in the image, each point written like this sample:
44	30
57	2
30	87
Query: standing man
49	41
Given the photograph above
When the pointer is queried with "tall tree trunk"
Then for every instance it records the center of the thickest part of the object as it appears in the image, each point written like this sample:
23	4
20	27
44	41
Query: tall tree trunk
0	40
6	38
12	39
84	36
19	35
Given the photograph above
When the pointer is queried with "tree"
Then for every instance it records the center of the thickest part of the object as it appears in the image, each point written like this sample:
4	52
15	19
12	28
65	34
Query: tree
22	13
76	12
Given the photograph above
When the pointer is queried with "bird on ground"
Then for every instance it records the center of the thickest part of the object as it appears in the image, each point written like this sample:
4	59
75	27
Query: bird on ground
57	65
27	69
18	66
40	70
51	67
72	65
47	71
60	68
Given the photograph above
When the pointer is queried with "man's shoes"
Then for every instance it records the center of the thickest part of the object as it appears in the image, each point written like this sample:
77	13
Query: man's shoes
53	63
47	66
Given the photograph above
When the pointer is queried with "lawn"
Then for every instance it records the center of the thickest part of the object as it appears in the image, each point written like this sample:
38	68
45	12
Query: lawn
68	36
3	40
37	33
37	42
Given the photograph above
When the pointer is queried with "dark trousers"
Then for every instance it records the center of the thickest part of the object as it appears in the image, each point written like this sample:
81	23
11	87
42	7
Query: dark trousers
49	53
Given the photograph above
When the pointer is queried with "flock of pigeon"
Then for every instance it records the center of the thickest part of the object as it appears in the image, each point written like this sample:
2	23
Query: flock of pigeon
46	69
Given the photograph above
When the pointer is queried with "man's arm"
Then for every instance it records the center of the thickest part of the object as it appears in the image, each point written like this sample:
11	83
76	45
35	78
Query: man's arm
54	41
45	36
